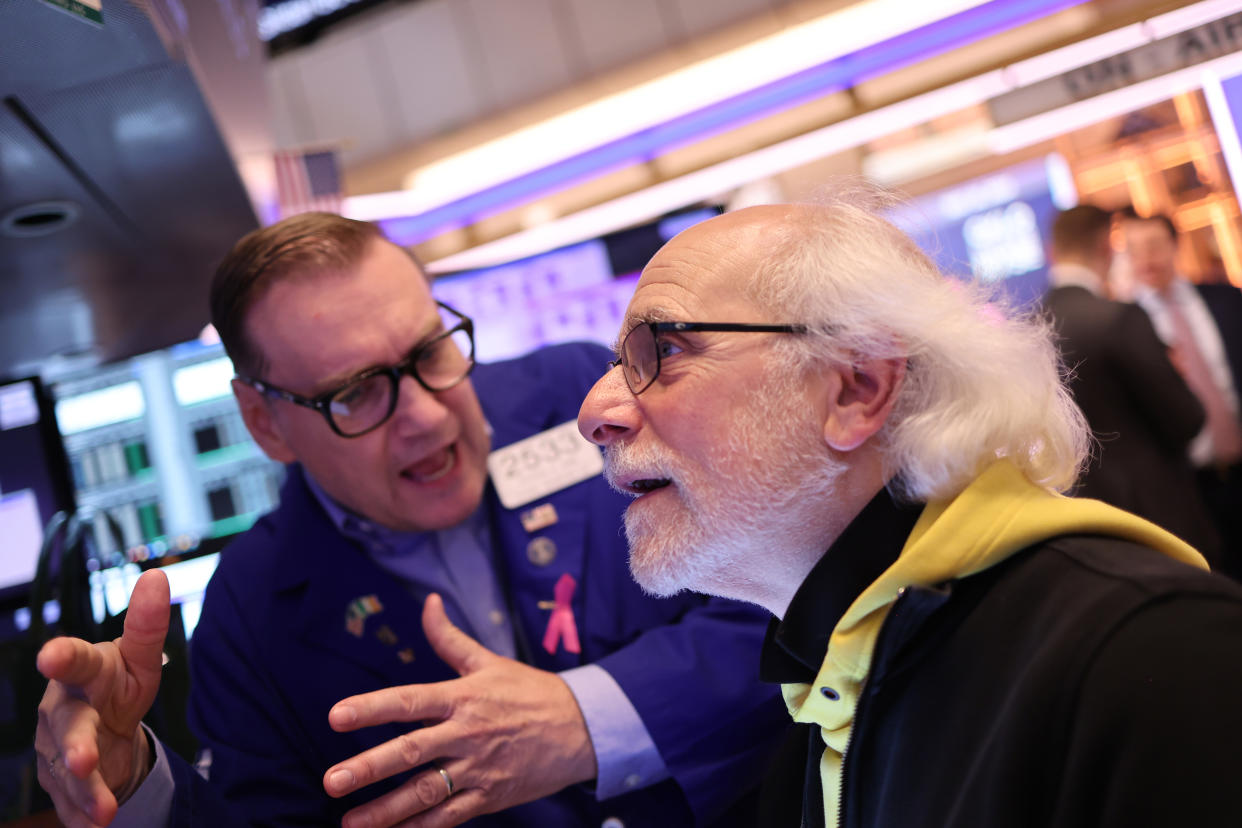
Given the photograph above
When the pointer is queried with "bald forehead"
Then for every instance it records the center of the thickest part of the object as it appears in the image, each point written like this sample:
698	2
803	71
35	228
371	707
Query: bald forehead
753	225
705	272
727	245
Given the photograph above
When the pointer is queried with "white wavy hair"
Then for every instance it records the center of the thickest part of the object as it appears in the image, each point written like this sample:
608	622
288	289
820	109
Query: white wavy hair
981	382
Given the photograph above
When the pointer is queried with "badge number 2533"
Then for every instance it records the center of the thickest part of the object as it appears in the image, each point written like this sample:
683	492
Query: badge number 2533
542	464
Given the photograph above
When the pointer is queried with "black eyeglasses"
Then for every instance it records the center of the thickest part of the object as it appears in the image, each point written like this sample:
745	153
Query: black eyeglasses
365	402
642	348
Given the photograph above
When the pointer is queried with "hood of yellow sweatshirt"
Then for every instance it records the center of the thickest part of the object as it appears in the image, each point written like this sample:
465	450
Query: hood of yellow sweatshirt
999	514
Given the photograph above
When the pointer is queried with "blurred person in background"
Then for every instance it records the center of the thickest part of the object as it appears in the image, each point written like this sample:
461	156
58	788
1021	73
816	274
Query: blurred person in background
1202	325
350	372
1139	408
808	415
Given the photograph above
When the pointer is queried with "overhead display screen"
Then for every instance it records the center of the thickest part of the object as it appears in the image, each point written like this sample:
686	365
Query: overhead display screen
994	227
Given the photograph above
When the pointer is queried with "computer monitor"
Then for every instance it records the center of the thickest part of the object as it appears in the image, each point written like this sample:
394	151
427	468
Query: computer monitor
162	479
34	483
188	571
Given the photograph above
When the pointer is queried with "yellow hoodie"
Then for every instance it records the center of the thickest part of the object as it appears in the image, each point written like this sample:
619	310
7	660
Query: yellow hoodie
999	514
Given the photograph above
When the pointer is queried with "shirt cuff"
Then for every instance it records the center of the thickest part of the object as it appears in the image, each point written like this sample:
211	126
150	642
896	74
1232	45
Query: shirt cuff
626	756
151	804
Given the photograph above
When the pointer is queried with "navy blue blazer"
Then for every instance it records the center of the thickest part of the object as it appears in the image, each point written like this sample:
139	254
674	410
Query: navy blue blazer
271	653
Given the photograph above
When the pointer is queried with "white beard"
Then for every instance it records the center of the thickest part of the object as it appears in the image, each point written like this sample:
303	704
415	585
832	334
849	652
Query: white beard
722	527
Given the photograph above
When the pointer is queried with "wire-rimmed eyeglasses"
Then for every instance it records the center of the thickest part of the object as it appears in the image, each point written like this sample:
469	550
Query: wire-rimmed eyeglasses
366	401
642	348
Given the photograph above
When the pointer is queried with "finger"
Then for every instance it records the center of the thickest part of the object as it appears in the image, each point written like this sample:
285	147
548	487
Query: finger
68	734
458	650
392	757
68	814
92	797
68	727
458	808
71	661
77	801
463	803
407	703
146	625
141	648
74	727
421	792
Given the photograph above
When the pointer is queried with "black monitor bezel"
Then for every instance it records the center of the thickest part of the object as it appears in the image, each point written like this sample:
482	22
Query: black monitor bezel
57	458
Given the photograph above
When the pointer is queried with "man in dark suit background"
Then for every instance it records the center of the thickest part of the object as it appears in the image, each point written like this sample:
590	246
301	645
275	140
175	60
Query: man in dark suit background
1139	408
1203	326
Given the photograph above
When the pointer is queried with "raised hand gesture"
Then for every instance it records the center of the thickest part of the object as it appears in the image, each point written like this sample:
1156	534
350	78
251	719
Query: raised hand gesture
91	750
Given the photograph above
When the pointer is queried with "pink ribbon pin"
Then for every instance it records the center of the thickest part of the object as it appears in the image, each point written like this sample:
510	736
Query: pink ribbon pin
561	625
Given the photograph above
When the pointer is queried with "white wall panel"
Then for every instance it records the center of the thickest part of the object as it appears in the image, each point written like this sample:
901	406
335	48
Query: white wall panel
413	71
348	80
522	46
611	34
702	16
440	84
290	110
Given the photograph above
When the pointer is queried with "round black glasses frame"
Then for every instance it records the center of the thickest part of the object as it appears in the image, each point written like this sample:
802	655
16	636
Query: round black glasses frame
408	366
634	378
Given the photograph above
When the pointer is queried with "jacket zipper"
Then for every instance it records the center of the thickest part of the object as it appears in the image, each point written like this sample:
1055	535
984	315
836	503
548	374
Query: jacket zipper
858	711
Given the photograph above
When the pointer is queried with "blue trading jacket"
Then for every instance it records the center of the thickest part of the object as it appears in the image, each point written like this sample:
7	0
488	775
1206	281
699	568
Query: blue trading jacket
271	653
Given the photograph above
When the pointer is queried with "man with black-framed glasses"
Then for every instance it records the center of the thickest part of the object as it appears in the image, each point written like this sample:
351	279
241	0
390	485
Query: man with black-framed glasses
809	415
410	487
641	348
366	401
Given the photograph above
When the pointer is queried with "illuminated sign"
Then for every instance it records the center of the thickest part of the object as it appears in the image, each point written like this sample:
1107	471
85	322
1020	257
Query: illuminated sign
281	18
992	229
1160	57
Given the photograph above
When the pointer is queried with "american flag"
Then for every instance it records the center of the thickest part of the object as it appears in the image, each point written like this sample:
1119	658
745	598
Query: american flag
307	181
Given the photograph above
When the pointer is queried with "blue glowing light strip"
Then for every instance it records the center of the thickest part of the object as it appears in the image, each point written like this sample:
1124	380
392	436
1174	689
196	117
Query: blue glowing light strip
930	40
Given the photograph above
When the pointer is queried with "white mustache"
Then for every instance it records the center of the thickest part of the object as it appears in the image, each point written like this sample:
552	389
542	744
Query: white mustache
627	462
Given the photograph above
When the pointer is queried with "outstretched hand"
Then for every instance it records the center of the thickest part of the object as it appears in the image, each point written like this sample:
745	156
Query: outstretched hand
504	733
89	745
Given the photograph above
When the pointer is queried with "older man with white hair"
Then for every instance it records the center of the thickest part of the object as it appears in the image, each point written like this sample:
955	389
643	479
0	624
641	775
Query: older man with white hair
811	417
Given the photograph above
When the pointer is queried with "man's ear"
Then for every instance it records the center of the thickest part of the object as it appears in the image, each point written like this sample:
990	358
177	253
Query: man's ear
861	398
257	415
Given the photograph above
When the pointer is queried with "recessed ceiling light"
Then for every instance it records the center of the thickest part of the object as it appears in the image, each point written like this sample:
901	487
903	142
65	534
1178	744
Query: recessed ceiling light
40	218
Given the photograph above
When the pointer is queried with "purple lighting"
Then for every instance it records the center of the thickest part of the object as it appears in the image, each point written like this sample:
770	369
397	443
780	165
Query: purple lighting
897	52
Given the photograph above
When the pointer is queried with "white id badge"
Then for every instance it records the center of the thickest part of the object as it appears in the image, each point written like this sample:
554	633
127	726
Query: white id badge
545	463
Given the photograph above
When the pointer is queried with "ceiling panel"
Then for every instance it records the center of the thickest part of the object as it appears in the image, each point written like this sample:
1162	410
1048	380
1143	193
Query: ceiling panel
349	82
524	48
100	117
612	34
705	15
292	122
440	85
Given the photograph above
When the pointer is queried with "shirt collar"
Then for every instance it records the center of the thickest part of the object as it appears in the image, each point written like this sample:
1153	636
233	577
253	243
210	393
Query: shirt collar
1069	274
796	645
337	513
1179	290
379	540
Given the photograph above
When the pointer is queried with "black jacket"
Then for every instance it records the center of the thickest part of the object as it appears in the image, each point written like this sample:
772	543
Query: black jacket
1224	302
1140	410
1085	682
